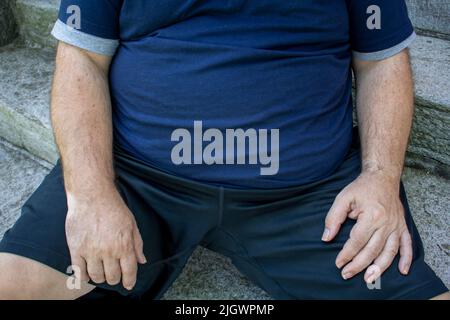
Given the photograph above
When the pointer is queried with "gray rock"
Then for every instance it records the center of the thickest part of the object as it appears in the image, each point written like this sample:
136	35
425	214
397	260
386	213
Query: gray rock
429	200
211	276
431	131
20	174
431	16
25	77
36	19
8	26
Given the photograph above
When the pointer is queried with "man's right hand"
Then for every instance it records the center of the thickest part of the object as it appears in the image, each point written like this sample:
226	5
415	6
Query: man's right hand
103	238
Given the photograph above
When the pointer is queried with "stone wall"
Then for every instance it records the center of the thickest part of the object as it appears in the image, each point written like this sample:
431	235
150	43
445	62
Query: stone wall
8	27
431	16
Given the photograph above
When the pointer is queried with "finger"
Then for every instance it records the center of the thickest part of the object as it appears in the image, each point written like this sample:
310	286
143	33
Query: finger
366	256
79	267
336	216
95	270
360	234
406	252
112	271
384	260
139	246
129	271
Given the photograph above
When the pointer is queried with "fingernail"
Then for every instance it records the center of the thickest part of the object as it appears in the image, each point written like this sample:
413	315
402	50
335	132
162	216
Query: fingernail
326	234
347	275
145	259
404	269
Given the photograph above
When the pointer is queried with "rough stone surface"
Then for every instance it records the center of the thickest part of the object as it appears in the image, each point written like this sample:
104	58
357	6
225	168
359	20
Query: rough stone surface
210	276
36	19
431	131
8	26
20	174
429	200
25	77
430	15
431	63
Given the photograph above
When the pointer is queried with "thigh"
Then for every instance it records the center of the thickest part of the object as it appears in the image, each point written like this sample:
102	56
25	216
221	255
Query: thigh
26	279
281	248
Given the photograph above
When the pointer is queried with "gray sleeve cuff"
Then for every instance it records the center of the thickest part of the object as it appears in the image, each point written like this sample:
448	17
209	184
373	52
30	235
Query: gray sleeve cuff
83	40
386	53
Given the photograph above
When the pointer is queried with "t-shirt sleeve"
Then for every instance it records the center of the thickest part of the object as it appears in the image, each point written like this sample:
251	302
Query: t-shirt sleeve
92	25
379	29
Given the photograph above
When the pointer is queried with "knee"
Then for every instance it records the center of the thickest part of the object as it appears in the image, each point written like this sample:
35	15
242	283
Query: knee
444	296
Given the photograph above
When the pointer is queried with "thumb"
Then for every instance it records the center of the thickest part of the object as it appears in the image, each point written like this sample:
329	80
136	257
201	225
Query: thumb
139	246
336	216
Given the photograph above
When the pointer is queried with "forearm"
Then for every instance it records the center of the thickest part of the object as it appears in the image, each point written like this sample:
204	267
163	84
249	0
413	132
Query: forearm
385	109
81	119
385	104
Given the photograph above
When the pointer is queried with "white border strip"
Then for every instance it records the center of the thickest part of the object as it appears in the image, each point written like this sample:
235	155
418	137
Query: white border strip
67	34
386	53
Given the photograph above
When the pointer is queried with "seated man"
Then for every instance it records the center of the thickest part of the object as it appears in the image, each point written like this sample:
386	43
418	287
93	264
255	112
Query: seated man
226	124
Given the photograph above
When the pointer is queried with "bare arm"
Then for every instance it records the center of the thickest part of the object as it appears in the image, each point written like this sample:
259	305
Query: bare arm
102	235
385	109
81	119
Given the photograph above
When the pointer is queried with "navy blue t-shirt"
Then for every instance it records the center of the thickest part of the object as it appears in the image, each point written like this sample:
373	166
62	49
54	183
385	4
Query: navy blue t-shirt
250	94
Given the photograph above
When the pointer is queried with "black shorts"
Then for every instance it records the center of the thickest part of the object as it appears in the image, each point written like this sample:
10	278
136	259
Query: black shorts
272	236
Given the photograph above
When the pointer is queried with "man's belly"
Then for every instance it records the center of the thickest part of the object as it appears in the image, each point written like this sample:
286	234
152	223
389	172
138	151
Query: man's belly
239	117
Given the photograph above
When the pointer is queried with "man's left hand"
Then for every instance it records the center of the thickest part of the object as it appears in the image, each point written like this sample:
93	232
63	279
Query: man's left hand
380	231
